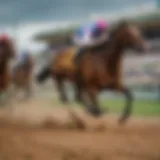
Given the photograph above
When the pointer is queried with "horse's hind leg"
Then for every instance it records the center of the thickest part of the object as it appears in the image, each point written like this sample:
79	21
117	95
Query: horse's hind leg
78	93
128	107
60	87
2	99
28	91
5	98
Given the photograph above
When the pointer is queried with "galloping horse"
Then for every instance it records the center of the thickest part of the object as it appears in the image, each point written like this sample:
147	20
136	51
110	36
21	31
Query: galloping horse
22	74
102	68
7	52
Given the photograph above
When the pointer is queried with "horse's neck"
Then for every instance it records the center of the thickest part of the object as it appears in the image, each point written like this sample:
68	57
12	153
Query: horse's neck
113	57
100	47
113	50
3	66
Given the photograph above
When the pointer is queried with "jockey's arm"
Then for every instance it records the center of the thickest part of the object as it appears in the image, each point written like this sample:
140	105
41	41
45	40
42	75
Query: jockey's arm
78	41
99	40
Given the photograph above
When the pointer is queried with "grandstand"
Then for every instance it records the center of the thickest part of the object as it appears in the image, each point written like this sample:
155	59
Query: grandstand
139	74
149	21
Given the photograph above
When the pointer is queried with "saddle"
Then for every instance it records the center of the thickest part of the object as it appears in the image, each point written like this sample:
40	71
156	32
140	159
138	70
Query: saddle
81	52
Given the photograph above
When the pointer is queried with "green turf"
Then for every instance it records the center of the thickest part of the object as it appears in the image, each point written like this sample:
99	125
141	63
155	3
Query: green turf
140	107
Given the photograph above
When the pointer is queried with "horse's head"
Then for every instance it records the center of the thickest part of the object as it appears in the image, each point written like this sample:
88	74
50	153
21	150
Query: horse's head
7	49
129	36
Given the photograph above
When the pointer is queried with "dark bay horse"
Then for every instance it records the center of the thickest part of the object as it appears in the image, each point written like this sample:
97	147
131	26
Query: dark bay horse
22	75
102	68
7	52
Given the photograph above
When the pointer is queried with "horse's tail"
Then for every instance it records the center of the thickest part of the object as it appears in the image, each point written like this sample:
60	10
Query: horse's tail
43	74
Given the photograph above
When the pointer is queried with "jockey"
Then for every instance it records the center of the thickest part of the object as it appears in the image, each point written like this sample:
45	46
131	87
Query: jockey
24	57
4	39
90	35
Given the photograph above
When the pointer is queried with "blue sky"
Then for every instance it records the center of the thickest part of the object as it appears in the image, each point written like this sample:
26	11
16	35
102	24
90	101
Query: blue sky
18	11
23	18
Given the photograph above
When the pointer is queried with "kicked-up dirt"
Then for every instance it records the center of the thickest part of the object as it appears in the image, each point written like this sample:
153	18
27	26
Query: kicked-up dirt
34	131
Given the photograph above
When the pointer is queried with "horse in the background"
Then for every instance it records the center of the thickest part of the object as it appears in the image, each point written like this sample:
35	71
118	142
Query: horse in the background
7	52
22	74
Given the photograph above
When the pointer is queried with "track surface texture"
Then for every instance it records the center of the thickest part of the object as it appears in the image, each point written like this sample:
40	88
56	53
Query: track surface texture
34	131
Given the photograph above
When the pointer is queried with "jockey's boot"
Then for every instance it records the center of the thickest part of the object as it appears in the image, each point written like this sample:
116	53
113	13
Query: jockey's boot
79	55
78	58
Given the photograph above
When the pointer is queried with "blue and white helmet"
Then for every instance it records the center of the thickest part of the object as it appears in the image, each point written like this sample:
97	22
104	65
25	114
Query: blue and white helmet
24	55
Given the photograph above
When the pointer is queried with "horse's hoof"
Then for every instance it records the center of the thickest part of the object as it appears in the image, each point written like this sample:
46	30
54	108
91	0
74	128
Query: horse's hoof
107	110
65	101
95	111
77	97
79	100
123	120
3	104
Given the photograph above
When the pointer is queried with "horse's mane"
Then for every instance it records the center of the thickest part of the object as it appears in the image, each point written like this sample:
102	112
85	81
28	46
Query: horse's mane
119	26
112	33
115	30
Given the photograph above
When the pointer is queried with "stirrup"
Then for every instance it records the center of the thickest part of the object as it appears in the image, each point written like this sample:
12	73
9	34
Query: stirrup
79	55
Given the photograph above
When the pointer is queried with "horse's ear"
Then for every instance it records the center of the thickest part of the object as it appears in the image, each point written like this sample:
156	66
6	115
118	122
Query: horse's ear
112	32
113	29
121	24
129	23
124	23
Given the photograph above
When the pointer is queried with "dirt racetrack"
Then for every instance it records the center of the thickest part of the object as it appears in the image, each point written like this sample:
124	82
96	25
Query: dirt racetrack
34	131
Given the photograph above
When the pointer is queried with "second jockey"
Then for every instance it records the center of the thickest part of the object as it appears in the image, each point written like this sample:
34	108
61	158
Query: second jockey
23	57
5	39
91	35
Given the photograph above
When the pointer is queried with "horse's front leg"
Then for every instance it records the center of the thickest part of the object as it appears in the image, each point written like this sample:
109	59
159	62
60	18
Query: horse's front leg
78	93
28	90
13	92
6	97
129	103
2	99
61	90
93	107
